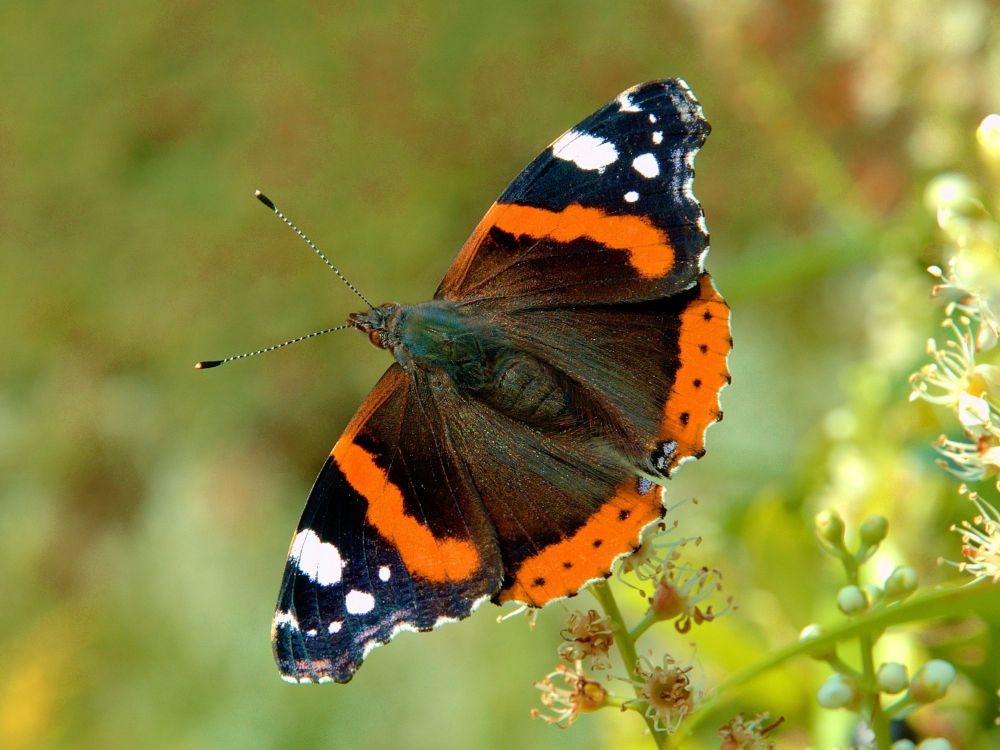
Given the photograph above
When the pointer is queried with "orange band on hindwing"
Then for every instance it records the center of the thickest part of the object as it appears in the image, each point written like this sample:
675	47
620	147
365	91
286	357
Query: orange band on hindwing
423	554
561	568
648	247
703	344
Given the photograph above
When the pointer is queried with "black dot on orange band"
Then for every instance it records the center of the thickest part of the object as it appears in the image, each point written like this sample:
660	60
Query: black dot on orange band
697	383
623	515
567	565
684	417
539	581
598	543
707	315
703	348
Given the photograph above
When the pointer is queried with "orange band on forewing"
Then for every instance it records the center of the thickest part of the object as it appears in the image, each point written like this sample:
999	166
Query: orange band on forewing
703	345
560	569
423	554
648	247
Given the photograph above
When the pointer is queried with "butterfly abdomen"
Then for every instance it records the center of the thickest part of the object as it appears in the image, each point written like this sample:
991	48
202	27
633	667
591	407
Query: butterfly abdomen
526	389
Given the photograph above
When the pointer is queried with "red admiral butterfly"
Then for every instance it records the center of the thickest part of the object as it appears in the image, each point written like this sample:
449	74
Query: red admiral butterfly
569	361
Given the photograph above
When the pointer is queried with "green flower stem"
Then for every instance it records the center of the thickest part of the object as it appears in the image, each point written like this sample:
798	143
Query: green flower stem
615	702
626	645
877	719
648	620
843	667
901	706
982	599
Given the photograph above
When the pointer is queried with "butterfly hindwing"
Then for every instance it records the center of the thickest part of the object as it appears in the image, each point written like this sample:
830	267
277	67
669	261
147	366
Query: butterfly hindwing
605	213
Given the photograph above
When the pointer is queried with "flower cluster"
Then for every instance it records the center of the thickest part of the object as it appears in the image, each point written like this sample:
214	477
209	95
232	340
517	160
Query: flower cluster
748	734
680	589
961	375
663	693
980	541
864	690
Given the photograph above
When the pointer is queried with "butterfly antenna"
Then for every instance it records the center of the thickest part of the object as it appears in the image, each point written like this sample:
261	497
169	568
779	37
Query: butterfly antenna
209	363
270	204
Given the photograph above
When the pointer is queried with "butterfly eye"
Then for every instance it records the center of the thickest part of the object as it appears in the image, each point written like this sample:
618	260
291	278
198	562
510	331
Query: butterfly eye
375	336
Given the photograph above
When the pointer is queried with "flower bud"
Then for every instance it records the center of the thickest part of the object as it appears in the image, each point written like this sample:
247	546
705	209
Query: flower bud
901	582
811	633
874	593
873	530
892	678
667	602
988	135
934	743
931	681
830	527
851	600
950	191
837	692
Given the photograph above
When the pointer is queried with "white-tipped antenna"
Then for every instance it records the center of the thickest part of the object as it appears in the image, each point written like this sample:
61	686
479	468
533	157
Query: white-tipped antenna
209	363
270	204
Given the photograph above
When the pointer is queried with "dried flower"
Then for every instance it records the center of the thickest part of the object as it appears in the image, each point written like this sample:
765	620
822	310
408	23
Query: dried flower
566	693
667	691
748	734
587	636
680	592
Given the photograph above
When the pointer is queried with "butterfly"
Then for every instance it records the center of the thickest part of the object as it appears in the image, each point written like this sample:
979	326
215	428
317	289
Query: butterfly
569	361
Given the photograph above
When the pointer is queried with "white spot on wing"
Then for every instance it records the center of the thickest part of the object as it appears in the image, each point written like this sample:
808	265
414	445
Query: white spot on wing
625	103
631	196
312	632
318	560
586	151
335	626
652	117
646	165
384	573
359	602
286	618
657	137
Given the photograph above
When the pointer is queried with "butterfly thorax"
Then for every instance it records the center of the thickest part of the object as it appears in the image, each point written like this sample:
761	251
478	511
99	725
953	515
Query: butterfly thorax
479	360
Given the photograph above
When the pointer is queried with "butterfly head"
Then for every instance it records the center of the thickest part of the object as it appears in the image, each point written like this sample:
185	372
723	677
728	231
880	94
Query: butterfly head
377	323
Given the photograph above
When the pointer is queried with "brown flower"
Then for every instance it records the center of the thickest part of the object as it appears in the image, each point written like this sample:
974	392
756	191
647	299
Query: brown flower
587	635
667	691
566	693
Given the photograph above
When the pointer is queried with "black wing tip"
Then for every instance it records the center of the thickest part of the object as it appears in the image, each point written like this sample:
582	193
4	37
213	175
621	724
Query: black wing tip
682	99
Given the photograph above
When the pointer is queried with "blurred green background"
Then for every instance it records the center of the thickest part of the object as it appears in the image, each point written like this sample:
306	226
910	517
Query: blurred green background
145	509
